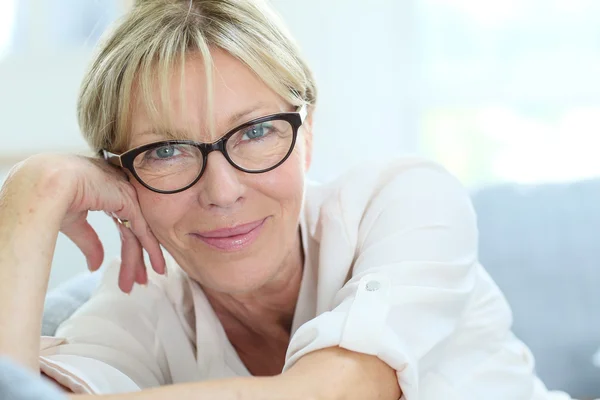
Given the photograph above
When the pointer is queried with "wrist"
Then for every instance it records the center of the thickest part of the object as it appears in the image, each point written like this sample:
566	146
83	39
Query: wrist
38	191
31	210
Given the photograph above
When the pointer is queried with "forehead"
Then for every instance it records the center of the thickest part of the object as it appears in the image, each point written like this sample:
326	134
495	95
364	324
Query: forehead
238	95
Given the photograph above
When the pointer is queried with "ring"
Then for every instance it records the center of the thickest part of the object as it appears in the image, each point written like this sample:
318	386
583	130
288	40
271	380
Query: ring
125	223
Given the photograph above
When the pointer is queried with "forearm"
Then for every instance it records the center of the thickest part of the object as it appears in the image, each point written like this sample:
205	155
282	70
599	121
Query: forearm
328	374
250	388
27	238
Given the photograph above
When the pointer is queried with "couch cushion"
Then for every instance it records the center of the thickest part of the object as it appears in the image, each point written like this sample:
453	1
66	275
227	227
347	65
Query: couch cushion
541	244
18	384
66	299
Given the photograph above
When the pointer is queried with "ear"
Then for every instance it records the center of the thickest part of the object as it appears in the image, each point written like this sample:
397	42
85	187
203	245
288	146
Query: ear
307	136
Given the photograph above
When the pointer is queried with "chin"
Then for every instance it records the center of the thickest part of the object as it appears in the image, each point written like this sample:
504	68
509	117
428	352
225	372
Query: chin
233	272
237	278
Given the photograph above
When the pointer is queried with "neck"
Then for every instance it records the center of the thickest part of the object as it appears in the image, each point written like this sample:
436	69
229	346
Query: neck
268	309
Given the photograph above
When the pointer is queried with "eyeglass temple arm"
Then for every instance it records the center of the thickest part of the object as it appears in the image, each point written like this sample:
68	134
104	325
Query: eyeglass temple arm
112	158
303	111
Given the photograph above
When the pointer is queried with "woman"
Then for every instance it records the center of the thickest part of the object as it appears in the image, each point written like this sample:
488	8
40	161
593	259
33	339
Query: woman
367	288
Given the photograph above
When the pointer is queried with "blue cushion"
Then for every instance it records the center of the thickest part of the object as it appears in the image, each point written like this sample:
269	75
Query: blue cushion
18	384
541	244
63	301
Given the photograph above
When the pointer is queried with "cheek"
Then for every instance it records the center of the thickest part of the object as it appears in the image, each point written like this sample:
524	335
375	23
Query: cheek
285	183
159	210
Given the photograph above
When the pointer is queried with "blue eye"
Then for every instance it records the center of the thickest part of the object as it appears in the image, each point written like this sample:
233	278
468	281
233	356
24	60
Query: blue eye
164	152
257	131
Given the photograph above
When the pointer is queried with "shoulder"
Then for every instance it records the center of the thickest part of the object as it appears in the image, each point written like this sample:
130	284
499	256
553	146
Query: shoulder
412	186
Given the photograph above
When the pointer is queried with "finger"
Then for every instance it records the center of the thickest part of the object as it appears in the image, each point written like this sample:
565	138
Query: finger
129	258
148	241
141	275
86	238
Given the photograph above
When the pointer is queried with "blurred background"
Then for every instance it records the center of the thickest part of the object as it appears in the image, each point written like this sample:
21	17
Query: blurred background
505	94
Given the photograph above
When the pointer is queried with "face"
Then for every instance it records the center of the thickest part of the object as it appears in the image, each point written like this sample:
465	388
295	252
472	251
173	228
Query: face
232	232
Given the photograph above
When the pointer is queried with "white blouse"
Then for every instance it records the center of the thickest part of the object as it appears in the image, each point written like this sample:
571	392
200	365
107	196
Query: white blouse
390	270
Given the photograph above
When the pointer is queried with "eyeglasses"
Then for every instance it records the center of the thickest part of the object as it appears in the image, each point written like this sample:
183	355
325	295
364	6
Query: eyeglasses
173	166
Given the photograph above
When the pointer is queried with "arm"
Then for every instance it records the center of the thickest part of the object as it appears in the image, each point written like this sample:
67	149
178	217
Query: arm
42	196
410	233
25	262
328	374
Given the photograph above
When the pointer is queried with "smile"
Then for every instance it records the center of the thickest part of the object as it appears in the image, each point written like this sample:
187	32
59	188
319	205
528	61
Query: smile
232	239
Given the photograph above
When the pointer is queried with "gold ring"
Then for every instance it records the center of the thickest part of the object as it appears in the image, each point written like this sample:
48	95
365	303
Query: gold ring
125	223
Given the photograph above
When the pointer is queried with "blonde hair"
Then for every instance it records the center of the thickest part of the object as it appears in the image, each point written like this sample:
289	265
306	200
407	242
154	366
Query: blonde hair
156	36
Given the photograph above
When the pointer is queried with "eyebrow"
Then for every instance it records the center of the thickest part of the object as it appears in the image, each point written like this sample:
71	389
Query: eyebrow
166	134
170	134
236	117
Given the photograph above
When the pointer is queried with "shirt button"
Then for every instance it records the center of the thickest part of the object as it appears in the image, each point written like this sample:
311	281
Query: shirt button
372	286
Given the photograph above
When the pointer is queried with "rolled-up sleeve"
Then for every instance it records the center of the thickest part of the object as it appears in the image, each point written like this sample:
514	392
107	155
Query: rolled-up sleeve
414	270
112	344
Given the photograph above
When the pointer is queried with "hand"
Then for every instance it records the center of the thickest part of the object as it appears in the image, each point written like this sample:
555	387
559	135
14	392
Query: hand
92	185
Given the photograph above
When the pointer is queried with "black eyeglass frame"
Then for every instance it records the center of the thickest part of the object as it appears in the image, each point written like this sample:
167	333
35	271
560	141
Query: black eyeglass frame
125	160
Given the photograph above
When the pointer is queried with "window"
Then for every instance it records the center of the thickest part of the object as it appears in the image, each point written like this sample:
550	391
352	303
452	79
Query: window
510	89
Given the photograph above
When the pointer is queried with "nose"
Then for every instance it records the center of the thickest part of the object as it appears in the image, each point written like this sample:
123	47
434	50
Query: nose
220	186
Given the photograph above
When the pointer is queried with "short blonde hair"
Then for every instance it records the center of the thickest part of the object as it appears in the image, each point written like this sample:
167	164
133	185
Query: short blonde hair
156	35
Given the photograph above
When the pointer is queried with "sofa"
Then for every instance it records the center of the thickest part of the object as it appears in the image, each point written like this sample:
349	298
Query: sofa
541	243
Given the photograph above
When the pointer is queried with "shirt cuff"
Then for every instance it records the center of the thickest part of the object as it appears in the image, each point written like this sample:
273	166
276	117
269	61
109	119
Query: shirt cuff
81	375
359	324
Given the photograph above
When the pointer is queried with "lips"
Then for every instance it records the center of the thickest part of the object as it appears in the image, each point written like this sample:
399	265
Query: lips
232	239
